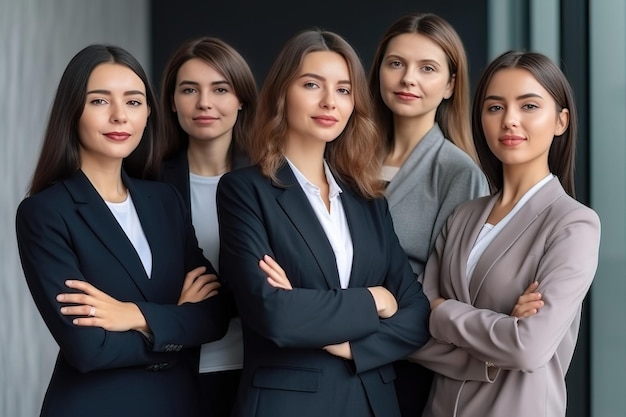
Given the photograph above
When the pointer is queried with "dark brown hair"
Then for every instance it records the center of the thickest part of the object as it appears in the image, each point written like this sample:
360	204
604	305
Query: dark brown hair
354	154
228	62
453	114
550	76
60	152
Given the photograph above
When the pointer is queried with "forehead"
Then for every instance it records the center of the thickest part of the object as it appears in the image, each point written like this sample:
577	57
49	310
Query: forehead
415	45
515	82
198	68
327	64
110	76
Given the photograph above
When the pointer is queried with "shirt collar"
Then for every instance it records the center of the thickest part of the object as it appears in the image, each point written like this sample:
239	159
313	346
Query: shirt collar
334	188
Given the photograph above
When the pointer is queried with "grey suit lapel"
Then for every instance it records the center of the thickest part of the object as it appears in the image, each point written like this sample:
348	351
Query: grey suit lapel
512	232
416	168
296	206
104	225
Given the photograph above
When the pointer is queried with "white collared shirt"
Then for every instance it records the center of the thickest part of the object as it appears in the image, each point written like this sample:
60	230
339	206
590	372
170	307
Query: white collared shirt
333	222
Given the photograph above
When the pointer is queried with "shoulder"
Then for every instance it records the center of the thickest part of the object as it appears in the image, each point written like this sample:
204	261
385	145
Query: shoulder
455	160
567	209
52	198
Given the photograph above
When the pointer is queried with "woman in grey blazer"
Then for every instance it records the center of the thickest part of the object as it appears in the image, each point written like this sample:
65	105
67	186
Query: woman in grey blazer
496	353
420	83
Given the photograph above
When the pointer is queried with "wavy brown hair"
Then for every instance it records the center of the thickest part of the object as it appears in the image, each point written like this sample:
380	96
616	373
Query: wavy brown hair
60	152
354	155
453	114
550	76
228	62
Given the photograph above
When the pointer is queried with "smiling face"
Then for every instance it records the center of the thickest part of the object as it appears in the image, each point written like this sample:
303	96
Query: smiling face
520	119
114	116
319	101
205	102
414	76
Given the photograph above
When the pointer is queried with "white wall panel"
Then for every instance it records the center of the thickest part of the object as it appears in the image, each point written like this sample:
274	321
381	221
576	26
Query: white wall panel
37	39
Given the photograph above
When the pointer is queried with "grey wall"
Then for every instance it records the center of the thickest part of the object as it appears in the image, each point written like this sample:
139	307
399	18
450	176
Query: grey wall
37	39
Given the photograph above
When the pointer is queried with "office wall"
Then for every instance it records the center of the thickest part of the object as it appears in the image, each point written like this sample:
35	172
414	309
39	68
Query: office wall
37	39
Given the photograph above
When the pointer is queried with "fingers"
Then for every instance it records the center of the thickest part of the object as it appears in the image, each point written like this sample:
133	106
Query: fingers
276	276
191	276
532	287
527	305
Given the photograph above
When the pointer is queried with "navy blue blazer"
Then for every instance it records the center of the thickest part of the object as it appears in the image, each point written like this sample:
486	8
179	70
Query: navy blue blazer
286	371
67	231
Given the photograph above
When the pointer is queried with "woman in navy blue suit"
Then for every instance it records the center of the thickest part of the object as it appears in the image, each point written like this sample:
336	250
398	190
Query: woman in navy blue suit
111	261
320	333
208	97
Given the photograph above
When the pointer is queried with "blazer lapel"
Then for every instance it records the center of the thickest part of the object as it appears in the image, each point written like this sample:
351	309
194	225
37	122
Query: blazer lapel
97	215
296	205
416	167
360	233
513	230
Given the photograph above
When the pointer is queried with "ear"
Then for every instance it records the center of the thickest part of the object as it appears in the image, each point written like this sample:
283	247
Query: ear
562	122
450	87
149	110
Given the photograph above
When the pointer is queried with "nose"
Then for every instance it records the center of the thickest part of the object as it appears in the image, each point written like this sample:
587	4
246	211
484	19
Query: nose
204	100
409	78
118	113
510	119
328	100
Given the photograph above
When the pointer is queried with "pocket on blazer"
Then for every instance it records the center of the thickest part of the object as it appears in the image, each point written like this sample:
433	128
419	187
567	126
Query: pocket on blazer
291	379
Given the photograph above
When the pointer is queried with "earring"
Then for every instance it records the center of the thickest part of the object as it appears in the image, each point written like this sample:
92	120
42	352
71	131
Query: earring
240	106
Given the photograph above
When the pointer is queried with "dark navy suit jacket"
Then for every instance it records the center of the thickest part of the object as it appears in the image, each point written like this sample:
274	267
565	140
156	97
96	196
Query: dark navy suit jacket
67	232
286	371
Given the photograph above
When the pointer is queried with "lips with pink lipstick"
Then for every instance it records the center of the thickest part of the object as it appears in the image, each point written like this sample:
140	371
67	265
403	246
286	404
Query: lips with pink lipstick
117	136
511	140
204	120
405	95
325	120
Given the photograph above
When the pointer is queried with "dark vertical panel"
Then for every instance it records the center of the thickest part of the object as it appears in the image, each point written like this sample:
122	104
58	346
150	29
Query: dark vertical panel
258	29
575	64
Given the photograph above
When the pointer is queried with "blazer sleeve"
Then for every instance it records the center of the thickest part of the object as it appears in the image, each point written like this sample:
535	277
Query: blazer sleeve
406	330
45	249
445	358
565	273
190	324
300	318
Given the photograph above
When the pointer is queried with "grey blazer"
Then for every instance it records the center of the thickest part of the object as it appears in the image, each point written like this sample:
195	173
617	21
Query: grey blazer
436	177
488	363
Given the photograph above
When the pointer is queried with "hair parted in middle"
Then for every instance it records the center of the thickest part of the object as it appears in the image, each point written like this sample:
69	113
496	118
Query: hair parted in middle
453	114
354	155
225	60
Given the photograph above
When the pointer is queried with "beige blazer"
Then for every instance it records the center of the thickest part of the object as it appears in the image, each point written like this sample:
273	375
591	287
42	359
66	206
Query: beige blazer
488	363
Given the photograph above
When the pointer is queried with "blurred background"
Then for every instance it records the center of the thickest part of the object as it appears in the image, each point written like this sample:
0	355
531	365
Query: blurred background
586	37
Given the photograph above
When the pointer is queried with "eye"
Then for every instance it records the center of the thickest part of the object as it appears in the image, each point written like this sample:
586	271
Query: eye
134	102
221	90
310	85
344	90
428	68
189	90
530	106
494	108
396	64
98	101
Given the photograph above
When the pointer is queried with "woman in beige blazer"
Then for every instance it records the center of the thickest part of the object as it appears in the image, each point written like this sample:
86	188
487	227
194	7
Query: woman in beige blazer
495	352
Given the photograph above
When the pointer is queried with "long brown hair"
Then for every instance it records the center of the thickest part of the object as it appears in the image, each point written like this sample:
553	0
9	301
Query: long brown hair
550	76
228	62
353	155
60	152
453	114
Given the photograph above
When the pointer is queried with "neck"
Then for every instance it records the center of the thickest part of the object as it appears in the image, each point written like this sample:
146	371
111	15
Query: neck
107	180
408	132
309	161
208	158
517	180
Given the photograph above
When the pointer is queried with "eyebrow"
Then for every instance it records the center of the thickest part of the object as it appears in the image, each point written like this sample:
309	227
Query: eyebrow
194	83
421	61
319	77
522	97
126	93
